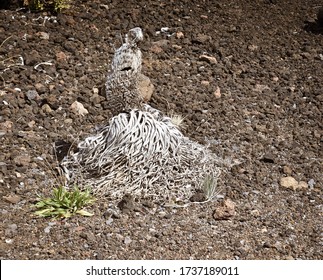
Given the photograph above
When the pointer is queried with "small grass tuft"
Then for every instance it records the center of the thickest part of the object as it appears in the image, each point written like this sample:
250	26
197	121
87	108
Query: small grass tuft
177	120
64	204
40	5
210	187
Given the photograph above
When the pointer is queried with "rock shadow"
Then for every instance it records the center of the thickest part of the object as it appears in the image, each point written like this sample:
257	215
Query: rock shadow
313	27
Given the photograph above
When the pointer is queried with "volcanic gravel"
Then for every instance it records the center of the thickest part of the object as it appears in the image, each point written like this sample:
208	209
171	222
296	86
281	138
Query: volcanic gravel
247	76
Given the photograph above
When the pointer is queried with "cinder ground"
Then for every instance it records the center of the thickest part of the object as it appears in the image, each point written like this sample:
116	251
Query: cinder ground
259	102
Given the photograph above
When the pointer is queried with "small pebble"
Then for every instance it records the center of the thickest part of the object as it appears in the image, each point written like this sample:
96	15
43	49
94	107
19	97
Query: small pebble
217	93
287	170
109	221
47	229
288	182
179	35
205	83
127	240
78	108
311	183
209	59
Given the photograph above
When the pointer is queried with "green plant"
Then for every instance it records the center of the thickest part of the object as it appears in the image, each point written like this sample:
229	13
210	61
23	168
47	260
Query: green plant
39	5
209	187
61	5
64	204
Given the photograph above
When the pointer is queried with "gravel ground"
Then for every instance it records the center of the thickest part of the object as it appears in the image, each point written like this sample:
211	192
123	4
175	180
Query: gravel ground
245	75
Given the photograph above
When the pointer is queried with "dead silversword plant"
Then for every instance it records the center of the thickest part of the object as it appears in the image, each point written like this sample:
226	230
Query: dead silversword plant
140	151
122	82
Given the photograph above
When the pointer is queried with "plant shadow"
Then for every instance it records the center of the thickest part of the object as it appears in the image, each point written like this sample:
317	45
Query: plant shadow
313	27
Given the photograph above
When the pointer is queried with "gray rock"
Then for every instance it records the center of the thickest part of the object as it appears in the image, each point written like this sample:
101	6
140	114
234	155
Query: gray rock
22	160
89	236
225	210
127	240
43	35
161	43
209	59
13	227
32	95
288	182
311	183
47	229
287	170
12	198
32	58
40	88
46	108
11	230
201	38
78	109
109	221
